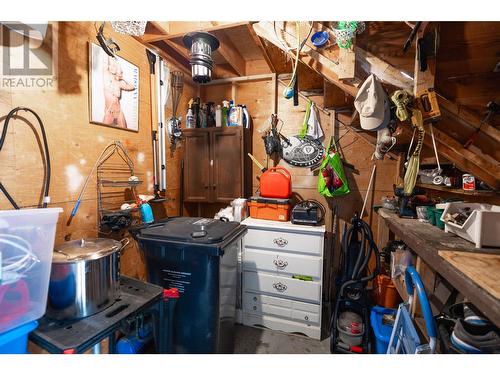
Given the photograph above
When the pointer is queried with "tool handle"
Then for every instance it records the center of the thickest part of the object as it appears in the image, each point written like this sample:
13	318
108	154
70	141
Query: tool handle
75	209
256	162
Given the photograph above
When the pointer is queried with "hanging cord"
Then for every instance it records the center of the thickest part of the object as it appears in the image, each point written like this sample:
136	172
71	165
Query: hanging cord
299	47
435	150
10	115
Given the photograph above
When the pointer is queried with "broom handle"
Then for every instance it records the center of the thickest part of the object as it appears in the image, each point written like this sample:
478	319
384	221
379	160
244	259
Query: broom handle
368	190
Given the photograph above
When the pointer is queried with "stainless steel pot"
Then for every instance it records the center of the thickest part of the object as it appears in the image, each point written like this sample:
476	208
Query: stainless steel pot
84	278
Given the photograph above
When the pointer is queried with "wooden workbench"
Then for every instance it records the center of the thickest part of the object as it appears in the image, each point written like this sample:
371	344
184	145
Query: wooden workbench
452	257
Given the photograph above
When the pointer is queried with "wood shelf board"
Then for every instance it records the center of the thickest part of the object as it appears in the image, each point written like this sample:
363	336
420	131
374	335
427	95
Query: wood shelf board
427	241
481	193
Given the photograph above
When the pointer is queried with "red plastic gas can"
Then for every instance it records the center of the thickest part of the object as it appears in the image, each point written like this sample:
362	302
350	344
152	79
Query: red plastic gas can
276	182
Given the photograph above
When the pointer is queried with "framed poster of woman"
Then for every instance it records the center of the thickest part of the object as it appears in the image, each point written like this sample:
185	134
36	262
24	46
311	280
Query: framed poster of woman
114	90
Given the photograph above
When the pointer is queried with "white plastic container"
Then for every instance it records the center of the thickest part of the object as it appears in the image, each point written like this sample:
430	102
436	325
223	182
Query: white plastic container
239	209
482	227
26	243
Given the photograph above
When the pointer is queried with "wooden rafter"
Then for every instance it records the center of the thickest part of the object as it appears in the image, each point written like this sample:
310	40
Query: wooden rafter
469	117
178	29
259	42
329	68
230	53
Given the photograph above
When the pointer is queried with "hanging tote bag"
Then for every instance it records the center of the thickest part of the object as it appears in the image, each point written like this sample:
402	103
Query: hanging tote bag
332	181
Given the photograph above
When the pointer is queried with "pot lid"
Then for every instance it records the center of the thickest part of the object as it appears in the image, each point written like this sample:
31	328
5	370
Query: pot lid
85	249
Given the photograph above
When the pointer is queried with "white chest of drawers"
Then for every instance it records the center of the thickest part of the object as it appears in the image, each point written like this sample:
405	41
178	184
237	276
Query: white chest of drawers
282	273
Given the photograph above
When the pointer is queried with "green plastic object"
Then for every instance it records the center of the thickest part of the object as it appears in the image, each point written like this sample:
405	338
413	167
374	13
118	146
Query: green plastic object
302	277
431	216
437	214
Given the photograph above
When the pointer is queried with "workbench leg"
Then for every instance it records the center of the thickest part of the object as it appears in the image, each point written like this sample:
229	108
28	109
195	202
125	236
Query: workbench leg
383	233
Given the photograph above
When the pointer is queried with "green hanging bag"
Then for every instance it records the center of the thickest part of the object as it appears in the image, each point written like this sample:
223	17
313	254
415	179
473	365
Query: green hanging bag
332	181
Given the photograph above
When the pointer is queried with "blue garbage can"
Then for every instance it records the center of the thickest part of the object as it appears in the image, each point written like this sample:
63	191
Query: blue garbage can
198	256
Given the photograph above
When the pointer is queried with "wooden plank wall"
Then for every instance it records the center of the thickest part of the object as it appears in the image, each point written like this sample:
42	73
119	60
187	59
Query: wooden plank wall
259	98
75	144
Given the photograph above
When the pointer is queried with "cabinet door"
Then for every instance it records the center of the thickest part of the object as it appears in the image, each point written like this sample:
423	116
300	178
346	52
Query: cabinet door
196	166
227	164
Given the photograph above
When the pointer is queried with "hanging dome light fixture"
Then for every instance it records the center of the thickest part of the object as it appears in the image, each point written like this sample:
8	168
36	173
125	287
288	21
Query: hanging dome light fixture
201	45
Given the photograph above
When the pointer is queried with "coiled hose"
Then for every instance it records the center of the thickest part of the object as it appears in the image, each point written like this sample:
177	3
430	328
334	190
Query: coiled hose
9	116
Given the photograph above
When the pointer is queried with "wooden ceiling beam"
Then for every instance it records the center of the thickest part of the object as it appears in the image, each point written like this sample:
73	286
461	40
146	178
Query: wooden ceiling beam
258	41
329	68
265	30
175	54
469	117
466	159
178	29
230	53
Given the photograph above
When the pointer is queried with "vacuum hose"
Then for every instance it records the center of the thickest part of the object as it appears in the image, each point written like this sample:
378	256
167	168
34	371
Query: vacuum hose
361	234
357	241
9	116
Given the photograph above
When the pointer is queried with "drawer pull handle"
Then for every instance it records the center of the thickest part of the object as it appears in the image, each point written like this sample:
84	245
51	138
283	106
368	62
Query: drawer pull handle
281	264
281	242
280	287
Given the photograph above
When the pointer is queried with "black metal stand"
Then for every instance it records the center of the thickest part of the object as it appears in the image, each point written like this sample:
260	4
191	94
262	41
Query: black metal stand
78	336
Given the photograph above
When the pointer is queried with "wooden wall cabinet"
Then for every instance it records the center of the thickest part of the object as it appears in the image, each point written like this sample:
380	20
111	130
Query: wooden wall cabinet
216	166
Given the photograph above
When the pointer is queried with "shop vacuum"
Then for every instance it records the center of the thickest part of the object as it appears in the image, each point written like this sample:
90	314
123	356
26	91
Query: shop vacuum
350	320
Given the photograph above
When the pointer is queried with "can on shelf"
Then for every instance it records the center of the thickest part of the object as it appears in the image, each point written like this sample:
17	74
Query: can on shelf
468	182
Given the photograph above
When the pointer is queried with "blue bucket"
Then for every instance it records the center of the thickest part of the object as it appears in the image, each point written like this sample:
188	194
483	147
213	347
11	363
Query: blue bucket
381	331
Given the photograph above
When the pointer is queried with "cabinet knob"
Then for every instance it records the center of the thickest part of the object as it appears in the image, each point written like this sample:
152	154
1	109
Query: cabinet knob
214	186
255	299
306	317
281	242
281	264
254	307
206	186
280	287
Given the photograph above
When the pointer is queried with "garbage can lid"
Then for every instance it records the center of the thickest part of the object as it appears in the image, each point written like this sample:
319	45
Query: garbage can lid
191	229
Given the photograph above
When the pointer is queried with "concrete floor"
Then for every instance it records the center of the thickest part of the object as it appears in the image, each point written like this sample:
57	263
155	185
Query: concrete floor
250	340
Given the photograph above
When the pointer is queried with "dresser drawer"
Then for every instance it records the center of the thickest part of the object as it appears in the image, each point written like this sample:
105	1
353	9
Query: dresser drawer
282	262
282	286
285	241
260	304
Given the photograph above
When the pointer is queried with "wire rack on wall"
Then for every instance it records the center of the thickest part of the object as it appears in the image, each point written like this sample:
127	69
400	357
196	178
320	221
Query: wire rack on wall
114	188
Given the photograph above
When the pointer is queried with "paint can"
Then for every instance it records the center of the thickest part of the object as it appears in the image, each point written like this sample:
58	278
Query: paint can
468	182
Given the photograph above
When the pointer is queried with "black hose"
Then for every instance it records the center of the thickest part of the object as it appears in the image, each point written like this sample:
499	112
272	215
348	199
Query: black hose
46	153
